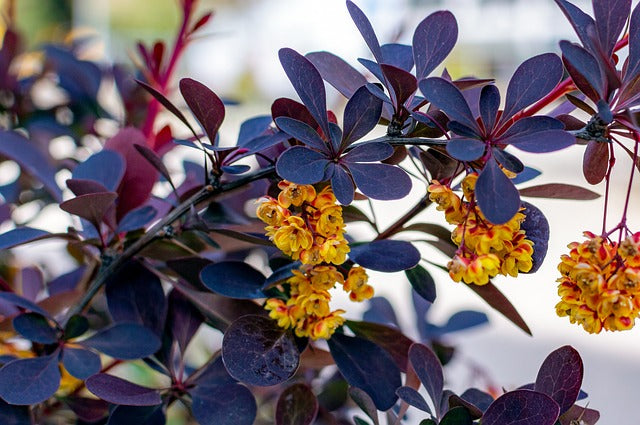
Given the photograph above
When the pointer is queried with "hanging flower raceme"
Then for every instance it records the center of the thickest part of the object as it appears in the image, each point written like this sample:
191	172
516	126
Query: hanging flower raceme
484	249
308	226
600	283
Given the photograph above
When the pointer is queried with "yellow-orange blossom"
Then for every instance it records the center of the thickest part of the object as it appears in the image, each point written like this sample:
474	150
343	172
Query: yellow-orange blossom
308	226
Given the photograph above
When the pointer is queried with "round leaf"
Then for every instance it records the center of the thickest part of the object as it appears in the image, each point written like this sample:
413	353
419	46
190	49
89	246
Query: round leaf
422	282
35	327
258	352
560	376
386	255
497	197
466	149
297	405
30	381
522	407
81	363
536	228
234	279
125	341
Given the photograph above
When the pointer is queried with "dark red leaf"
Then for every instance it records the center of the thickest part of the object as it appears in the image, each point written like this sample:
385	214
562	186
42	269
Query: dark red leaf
611	17
578	413
201	22
560	377
167	104
87	409
183	318
118	391
91	207
559	191
522	407
595	161
155	161
584	64
205	105
83	187
500	303
402	83
297	405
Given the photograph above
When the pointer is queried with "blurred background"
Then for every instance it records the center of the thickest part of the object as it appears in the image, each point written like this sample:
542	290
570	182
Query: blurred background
236	56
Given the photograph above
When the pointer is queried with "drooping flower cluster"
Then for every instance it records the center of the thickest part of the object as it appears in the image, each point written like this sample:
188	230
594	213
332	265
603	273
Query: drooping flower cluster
308	226
484	249
600	283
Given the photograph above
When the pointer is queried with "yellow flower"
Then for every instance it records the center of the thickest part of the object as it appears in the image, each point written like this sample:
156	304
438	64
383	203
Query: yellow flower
324	198
325	277
286	316
446	201
469	186
629	250
357	286
271	212
330	220
293	236
334	250
295	194
326	326
315	303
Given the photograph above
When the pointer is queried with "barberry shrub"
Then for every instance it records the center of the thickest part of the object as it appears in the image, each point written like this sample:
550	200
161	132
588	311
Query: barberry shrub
255	242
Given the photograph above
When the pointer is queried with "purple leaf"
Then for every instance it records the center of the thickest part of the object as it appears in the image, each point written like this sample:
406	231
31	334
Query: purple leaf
337	72
31	159
610	17
508	161
560	376
447	97
134	294
368	152
488	106
584	64
497	197
361	115
297	405
527	174
137	415
136	219
335	133
258	352
364	402
205	105
381	181
533	79
30	381
35	327
307	82
14	415
375	255
582	23
230	404
466	149
478	398
463	130
341	184
105	167
301	165
577	414
19	301
536	228
413	398
22	235
302	132
66	282
531	125
462	320
500	303
83	186
402	83
253	128
367	366
522	407
433	39
377	91
595	161
633	61
124	341
398	55
212	374
234	279
366	30
542	141
92	206
31	282
381	312
88	409
429	370
559	191
184	319
422	282
264	142
81	363
390	339
118	391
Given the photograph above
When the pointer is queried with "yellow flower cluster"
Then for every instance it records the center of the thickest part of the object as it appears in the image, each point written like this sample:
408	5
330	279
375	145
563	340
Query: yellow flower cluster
485	249
308	226
600	283
313	232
